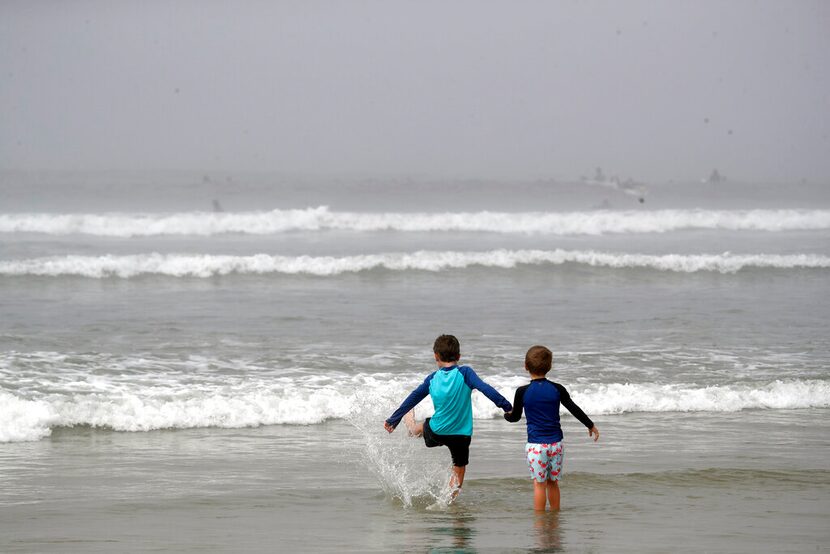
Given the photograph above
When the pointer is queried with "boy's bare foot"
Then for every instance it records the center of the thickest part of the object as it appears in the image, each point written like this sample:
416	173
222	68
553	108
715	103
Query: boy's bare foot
415	429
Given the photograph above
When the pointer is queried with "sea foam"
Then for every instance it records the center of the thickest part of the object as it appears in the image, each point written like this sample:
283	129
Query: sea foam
321	218
204	265
158	403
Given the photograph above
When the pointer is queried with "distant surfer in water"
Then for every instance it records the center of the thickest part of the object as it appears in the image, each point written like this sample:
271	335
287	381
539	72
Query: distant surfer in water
450	388
540	400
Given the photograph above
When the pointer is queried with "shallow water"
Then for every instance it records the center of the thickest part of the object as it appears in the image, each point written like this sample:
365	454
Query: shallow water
257	489
225	389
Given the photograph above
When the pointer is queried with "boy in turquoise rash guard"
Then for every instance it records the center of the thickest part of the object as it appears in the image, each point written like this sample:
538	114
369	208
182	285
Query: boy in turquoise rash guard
451	388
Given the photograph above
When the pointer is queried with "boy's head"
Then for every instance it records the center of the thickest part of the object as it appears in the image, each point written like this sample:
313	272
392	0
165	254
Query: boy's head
447	349
538	360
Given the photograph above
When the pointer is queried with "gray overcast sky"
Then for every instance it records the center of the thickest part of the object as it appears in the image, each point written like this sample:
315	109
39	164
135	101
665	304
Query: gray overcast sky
646	89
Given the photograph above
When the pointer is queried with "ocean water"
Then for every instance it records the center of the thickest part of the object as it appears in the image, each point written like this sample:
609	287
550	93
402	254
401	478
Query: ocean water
204	362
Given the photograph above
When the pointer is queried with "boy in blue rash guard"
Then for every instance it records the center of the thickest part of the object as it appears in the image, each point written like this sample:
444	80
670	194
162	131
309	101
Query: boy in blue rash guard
451	388
540	400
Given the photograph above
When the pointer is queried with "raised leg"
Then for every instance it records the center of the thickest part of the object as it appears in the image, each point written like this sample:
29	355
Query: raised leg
415	429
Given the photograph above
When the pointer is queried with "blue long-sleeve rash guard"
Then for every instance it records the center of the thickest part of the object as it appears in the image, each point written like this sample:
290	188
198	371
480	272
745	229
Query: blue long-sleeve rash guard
540	400
451	389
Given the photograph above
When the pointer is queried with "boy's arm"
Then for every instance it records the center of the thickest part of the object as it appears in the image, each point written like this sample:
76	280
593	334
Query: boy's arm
565	400
409	403
518	405
475	382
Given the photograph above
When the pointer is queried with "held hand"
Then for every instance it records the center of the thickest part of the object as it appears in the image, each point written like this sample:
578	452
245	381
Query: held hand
594	432
388	427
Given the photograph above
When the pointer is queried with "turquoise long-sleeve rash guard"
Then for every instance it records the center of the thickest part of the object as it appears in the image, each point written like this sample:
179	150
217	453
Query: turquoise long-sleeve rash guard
451	389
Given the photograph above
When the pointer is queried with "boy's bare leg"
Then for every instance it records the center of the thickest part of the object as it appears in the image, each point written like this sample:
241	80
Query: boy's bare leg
539	498
415	429
457	479
553	494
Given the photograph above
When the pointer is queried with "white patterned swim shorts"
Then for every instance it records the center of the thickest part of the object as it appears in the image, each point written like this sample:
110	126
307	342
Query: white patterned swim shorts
545	461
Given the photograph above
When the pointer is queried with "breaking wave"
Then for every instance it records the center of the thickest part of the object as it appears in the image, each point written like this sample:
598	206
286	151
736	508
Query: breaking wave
321	218
204	265
179	399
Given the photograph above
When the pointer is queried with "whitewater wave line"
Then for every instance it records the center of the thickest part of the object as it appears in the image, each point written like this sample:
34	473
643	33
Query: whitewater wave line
321	219
146	408
206	265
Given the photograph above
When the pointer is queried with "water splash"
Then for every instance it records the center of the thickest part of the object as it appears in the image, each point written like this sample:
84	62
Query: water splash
406	470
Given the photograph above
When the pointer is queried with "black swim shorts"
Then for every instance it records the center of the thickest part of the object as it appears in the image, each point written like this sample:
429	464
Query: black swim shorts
459	445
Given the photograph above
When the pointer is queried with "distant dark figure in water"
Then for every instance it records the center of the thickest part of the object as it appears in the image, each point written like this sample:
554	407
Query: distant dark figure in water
217	207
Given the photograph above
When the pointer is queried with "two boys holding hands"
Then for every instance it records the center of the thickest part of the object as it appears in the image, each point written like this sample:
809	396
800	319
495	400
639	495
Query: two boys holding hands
451	387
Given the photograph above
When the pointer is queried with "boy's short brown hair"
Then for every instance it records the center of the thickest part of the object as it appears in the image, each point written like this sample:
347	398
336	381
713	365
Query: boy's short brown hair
538	360
447	348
